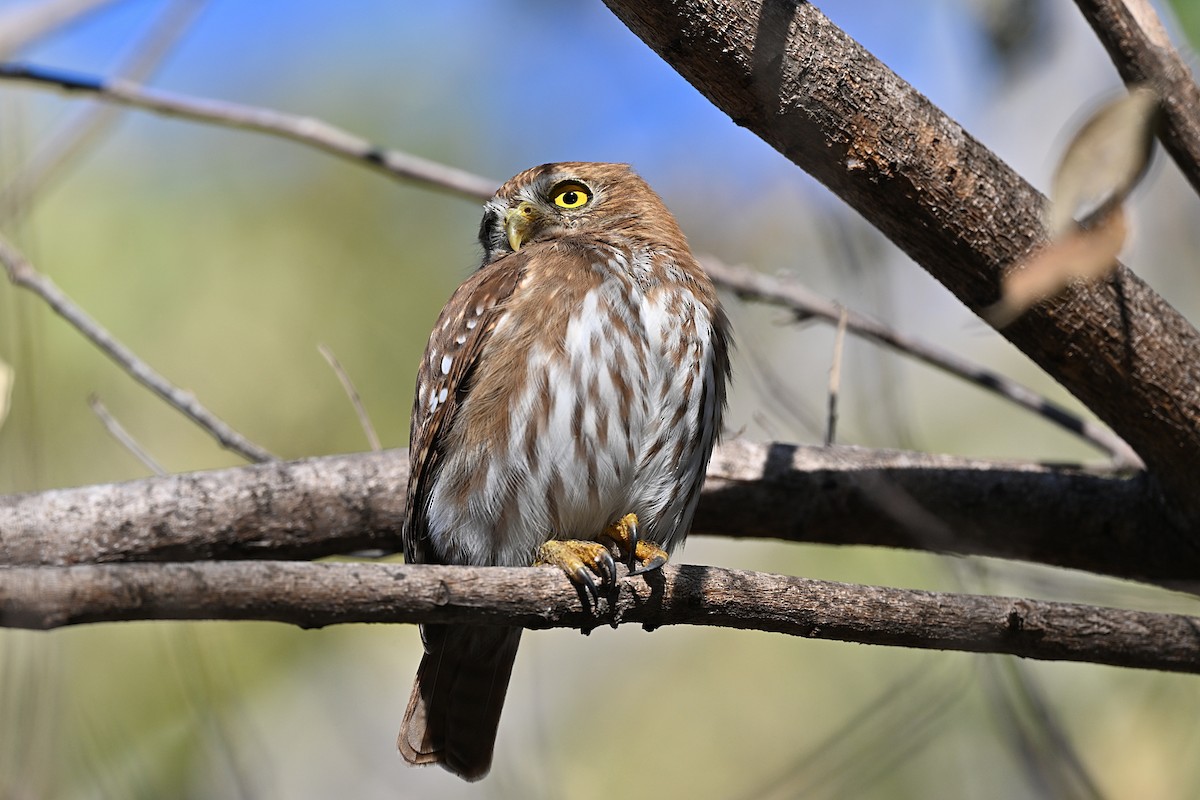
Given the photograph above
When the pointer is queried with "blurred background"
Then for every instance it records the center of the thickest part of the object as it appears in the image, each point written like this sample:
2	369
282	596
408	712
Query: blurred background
225	258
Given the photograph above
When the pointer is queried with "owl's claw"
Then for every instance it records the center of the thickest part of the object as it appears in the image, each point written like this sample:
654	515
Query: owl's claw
639	554
650	556
580	560
584	561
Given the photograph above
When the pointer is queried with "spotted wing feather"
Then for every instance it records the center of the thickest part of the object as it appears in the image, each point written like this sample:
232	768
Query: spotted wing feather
443	380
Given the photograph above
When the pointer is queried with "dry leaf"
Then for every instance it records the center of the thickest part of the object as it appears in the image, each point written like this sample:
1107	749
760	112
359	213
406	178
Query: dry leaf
1104	161
1078	254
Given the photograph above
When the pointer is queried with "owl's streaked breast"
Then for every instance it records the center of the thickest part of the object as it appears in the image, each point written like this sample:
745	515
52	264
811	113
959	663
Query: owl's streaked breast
604	419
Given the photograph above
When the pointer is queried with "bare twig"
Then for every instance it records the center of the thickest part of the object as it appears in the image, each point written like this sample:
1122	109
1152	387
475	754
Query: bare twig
304	130
318	594
339	504
23	274
118	432
1139	47
325	137
89	125
22	25
835	378
792	295
364	419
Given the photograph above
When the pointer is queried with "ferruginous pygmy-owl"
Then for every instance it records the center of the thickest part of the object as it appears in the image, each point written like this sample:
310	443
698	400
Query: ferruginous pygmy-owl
568	400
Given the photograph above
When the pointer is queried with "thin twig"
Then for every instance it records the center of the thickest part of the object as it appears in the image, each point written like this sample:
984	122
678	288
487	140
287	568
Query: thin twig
1141	50
118	432
319	594
88	126
21	26
348	387
835	379
23	274
304	130
792	295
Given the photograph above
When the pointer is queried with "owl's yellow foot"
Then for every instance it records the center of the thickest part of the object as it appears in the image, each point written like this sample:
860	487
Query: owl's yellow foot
640	555
584	561
580	560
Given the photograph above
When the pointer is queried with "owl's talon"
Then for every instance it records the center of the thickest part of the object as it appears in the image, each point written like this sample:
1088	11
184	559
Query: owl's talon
649	557
608	567
640	555
580	560
635	536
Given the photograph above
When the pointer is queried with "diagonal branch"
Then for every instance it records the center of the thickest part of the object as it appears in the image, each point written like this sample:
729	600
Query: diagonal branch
1141	50
90	124
780	69
764	288
23	274
837	495
304	130
315	595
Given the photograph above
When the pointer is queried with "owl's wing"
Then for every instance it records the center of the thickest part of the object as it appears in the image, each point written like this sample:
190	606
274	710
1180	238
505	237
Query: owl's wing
462	332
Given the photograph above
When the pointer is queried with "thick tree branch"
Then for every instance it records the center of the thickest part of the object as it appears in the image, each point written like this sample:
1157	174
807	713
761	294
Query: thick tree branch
839	495
783	70
315	595
1137	42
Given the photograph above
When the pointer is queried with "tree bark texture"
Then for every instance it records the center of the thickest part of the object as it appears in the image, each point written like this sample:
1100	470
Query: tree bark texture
315	595
781	69
836	495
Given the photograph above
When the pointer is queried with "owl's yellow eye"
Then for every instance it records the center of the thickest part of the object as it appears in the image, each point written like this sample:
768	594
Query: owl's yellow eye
571	195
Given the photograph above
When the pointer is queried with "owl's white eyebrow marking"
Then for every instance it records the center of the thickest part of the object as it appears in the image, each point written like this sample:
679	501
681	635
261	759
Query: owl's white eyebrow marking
446	362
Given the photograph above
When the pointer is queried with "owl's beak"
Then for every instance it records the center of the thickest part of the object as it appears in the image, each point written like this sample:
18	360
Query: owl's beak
518	223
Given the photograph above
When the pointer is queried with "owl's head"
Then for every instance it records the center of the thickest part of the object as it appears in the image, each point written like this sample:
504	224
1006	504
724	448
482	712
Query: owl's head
553	201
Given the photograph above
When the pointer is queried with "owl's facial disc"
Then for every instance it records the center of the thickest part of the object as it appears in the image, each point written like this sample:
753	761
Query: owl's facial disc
519	223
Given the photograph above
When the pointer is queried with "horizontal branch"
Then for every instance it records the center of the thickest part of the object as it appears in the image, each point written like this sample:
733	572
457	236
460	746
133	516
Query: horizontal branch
315	595
837	495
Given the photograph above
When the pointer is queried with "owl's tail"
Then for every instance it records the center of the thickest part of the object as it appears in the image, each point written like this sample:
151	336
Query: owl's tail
457	698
